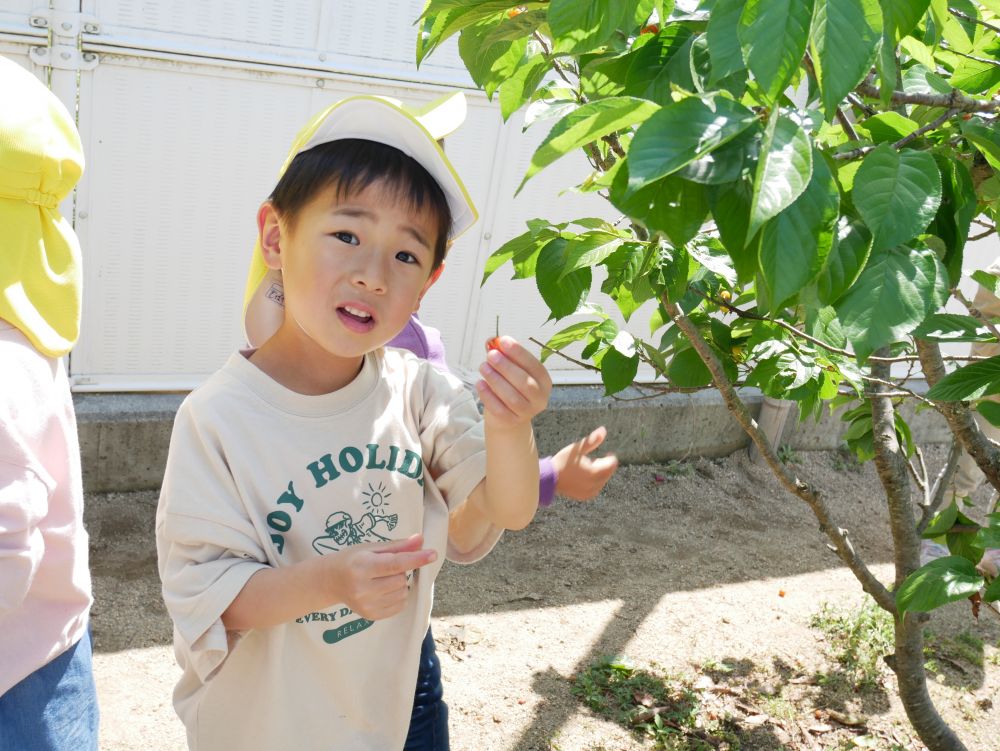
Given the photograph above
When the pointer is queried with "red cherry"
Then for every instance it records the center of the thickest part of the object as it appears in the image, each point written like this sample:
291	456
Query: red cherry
493	343
652	28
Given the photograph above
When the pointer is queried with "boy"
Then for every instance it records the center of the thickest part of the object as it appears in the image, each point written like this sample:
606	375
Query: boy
314	483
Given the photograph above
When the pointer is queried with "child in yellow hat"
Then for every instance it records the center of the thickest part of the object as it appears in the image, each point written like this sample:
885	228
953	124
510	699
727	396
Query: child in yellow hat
315	484
47	695
572	472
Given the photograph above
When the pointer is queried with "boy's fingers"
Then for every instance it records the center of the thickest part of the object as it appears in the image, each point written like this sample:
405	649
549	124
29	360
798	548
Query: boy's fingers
605	467
512	349
390	564
413	542
594	440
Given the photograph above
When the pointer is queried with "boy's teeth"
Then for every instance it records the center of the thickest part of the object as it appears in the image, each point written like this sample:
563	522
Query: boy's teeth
356	312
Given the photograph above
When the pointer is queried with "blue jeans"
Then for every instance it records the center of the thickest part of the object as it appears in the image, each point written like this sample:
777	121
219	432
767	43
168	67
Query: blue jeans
429	720
54	708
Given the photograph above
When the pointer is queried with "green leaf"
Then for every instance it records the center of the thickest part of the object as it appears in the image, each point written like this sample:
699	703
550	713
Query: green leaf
562	339
682	132
969	545
491	66
563	294
990	412
901	16
941	522
729	162
783	170
897	194
895	292
795	244
516	250
443	18
516	27
989	282
723	42
518	88
941	581
586	124
951	327
851	247
773	35
617	370
971	381
954	217
992	592
986	138
588	250
583	25
846	34
648	72
731	211
686	370
887	126
671	205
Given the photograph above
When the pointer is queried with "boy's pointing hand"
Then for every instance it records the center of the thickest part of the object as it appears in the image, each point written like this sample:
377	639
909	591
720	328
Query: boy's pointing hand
515	386
371	579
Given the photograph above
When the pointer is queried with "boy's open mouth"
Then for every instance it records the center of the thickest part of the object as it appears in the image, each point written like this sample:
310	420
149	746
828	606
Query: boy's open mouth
356	319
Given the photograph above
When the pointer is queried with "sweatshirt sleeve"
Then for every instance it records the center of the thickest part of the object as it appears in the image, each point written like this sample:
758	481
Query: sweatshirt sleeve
454	447
207	547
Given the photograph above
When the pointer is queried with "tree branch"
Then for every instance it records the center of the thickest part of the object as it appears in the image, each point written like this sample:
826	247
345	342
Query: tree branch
838	536
941	483
955	100
936	123
892	468
975	312
959	417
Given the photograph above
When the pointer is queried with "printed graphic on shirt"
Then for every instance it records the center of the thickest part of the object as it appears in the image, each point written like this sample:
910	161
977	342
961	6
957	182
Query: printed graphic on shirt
374	520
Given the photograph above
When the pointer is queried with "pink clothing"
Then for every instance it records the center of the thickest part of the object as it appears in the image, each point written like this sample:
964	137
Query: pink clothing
44	599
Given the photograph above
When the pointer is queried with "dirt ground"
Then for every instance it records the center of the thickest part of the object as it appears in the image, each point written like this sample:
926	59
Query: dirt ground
706	570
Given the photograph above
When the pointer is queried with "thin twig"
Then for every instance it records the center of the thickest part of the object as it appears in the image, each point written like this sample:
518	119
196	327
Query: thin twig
975	312
941	483
981	235
936	123
965	17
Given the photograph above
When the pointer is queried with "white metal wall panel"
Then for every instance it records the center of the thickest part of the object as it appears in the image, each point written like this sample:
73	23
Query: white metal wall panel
179	158
15	14
367	38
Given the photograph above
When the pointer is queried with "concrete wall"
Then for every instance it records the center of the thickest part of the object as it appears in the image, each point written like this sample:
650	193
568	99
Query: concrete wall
124	437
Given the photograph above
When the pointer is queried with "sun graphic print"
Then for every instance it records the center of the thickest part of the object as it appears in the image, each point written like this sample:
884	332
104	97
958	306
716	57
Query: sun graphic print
375	497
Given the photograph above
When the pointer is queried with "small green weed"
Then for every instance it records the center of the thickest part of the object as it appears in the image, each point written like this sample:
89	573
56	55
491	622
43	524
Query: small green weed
787	454
662	708
858	640
844	460
677	468
965	647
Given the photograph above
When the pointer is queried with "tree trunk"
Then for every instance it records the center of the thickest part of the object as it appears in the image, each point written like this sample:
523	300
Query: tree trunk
908	661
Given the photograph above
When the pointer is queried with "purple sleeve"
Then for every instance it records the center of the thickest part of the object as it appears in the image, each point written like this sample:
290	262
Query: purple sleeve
423	341
546	481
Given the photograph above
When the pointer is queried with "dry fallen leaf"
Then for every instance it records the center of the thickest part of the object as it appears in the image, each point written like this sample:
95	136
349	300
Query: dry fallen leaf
820	728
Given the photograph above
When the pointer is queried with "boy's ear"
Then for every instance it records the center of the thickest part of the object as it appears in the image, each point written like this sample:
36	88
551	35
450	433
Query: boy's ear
269	235
428	284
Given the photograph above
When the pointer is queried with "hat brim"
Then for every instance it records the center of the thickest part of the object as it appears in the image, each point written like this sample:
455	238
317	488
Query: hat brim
375	119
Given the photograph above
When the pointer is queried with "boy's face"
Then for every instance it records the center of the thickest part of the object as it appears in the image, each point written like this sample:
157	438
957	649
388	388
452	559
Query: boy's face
354	268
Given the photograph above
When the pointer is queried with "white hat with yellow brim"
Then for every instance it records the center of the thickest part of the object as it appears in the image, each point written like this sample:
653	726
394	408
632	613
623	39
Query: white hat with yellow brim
413	131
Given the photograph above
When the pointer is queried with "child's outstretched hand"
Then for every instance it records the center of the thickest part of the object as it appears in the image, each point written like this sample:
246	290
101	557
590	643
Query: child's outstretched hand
515	386
580	476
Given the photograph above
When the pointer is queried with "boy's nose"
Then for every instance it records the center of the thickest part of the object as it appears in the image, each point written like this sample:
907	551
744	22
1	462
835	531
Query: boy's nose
370	276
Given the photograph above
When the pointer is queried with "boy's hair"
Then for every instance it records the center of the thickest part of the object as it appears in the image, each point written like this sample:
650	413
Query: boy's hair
352	165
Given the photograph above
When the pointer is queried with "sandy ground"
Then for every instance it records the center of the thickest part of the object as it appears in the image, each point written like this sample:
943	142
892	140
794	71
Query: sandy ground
677	568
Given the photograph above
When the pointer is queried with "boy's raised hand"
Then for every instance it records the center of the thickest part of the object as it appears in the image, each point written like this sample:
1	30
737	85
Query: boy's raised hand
580	476
371	578
515	386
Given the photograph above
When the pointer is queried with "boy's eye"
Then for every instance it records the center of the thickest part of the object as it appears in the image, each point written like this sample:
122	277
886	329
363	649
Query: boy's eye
407	257
346	237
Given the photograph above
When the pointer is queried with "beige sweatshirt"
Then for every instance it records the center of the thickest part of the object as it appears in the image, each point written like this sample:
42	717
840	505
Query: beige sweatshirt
258	476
